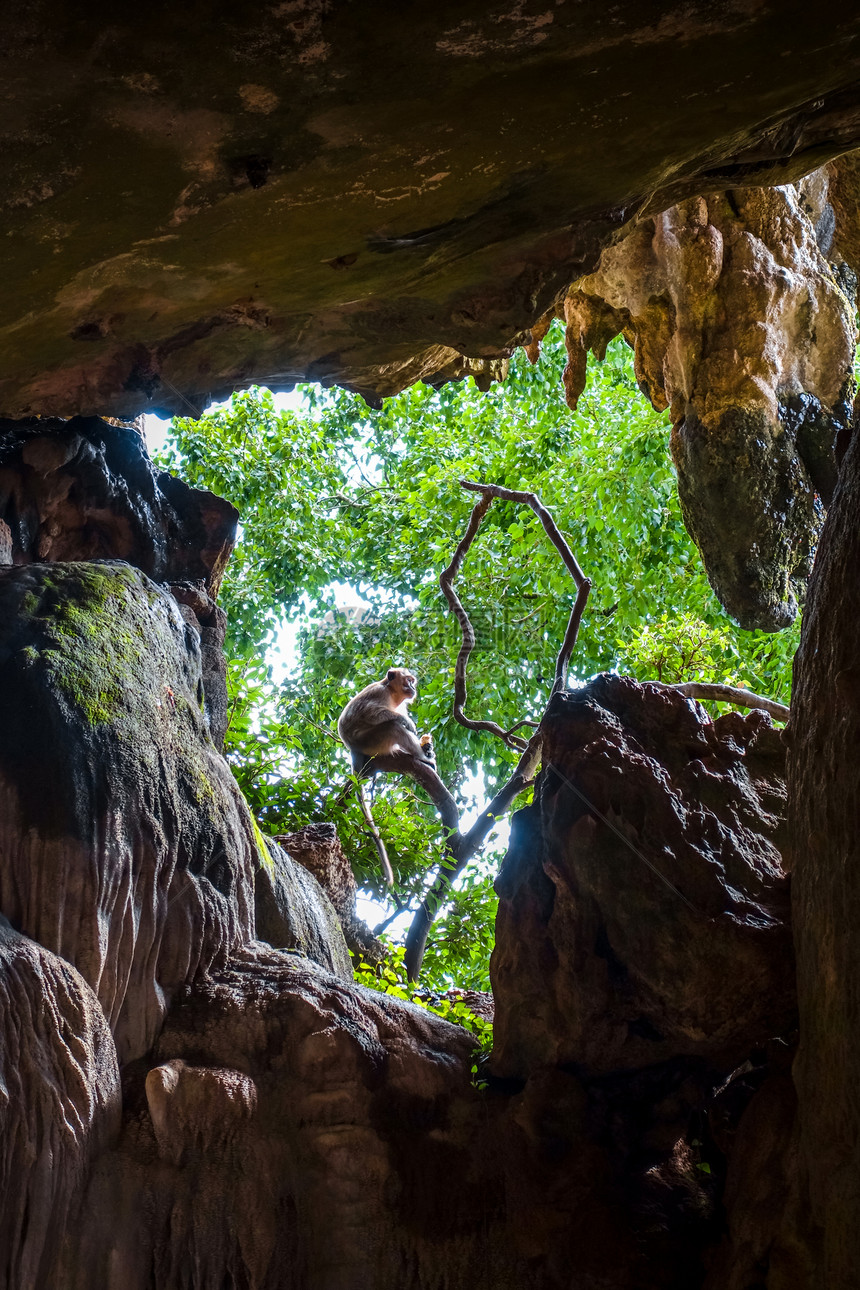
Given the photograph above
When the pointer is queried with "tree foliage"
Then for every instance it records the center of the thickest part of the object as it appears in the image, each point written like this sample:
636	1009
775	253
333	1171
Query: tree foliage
337	498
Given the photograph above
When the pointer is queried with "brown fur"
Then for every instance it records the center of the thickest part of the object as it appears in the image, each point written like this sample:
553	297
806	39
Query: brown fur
376	721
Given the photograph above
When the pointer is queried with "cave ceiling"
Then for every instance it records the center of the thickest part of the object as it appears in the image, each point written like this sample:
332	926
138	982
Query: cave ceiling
200	197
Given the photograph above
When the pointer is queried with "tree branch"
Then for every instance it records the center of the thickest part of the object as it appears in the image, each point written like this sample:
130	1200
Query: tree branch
459	849
446	582
729	694
402	763
553	532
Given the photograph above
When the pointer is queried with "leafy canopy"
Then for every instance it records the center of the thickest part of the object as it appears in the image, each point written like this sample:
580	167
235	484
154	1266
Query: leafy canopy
341	500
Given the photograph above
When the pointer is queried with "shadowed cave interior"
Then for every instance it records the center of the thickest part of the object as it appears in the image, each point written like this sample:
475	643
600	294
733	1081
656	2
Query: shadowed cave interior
195	1092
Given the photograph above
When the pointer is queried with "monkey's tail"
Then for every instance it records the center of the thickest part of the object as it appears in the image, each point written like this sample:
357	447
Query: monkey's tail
362	768
376	835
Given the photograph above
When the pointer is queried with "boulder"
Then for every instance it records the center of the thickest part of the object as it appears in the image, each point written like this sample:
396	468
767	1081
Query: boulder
126	846
643	908
293	912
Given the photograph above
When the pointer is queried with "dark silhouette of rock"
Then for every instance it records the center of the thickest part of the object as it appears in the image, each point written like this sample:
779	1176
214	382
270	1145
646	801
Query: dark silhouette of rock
824	735
365	198
86	490
664	932
769	1233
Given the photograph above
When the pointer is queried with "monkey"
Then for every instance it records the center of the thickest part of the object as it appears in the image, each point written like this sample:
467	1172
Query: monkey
376	722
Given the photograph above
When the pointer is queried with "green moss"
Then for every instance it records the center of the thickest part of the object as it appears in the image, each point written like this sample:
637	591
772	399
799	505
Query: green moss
99	653
262	849
100	693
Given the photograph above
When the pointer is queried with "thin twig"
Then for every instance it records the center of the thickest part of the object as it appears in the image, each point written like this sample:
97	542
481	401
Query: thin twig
323	729
376	835
729	694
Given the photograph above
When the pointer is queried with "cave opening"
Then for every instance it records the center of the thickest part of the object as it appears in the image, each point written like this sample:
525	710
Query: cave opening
604	258
348	512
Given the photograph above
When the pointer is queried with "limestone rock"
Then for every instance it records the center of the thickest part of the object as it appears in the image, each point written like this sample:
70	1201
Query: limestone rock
317	848
60	1104
356	195
197	1108
84	490
843	193
743	329
824	732
125	844
210	623
324	1132
672	939
293	912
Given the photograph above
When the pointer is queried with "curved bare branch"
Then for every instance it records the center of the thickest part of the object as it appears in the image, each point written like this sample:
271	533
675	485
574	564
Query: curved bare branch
446	582
553	532
730	694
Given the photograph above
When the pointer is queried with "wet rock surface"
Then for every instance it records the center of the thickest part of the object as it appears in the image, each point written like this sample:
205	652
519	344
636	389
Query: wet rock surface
745	330
644	902
294	912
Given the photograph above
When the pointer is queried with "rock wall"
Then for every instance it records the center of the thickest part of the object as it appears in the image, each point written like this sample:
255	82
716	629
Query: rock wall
744	329
644	905
86	490
60	1107
280	1128
125	845
823	784
644	987
197	200
267	195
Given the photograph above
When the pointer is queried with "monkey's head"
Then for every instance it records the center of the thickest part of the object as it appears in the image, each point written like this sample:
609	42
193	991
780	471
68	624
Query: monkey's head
402	684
